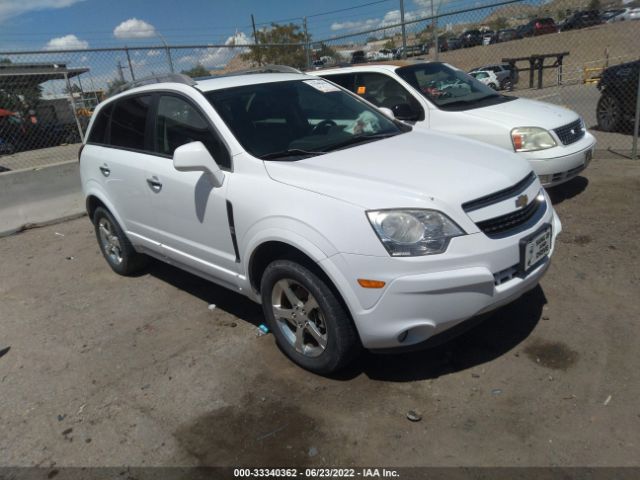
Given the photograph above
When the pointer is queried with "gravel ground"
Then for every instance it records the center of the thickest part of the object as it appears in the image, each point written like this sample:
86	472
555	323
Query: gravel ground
109	371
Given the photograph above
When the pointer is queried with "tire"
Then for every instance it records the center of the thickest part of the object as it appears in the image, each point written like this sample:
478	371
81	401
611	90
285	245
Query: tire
493	86
115	246
317	332
609	113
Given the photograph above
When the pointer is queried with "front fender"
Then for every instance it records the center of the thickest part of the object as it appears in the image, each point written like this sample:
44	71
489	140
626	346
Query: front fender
93	188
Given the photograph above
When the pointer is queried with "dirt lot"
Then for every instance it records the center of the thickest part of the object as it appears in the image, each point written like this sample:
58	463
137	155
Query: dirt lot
105	370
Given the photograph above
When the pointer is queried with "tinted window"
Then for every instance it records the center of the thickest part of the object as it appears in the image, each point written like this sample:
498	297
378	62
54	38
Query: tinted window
296	119
128	122
99	130
178	122
384	91
345	80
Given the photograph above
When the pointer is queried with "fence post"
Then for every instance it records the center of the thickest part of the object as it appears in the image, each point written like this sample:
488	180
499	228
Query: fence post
434	28
404	32
73	106
306	43
636	122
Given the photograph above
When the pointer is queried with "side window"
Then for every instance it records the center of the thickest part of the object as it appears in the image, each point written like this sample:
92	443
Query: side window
98	132
178	122
345	80
385	91
128	122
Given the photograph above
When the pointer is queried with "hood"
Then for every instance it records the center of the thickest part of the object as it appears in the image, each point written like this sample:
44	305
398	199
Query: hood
523	112
415	169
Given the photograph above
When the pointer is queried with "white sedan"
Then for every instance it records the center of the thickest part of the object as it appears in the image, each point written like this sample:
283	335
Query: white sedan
438	96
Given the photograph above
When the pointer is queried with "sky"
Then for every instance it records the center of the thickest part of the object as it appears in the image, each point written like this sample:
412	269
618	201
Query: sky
59	24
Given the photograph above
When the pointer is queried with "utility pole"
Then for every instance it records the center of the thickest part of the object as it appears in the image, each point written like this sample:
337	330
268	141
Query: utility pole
133	77
404	33
120	71
255	41
307	47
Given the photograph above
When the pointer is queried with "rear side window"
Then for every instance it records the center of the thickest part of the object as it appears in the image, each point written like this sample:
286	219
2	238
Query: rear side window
98	132
128	122
345	80
178	122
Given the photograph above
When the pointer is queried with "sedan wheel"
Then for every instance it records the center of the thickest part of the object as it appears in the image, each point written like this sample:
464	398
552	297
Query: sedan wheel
110	242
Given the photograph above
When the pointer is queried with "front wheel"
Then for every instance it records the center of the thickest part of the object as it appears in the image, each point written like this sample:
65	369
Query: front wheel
309	322
609	113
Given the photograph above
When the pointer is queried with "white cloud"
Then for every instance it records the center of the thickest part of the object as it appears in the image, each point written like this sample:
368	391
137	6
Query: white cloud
359	24
219	57
12	8
134	28
68	42
153	53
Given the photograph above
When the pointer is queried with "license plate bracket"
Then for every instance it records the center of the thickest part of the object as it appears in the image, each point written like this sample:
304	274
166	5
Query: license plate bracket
535	248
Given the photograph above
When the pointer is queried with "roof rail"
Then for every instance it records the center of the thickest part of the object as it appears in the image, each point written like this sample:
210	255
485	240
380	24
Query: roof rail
163	78
260	69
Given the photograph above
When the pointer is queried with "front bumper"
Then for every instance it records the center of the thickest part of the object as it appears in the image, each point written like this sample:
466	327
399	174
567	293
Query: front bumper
425	296
554	166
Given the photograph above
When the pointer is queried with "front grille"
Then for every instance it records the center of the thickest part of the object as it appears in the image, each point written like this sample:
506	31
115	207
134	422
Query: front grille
504	225
499	196
570	133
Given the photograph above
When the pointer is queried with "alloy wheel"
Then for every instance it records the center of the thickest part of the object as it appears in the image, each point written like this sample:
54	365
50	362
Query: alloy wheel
299	317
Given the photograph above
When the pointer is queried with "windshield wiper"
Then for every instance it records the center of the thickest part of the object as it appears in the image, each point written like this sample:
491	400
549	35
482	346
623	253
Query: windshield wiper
467	102
359	139
291	152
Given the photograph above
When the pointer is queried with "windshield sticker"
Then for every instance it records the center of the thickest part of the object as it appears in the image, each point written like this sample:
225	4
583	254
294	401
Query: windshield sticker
322	85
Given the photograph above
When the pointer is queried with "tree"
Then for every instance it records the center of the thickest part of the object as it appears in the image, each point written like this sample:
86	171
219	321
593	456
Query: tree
21	96
594	5
113	85
292	55
197	71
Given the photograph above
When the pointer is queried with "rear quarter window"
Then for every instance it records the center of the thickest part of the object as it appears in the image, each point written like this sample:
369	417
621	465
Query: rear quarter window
98	133
129	121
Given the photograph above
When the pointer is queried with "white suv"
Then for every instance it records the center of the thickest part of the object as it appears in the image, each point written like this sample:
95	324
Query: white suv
350	228
434	95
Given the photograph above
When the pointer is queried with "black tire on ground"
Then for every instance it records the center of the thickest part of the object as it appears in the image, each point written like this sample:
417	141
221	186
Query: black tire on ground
342	341
493	86
123	259
609	113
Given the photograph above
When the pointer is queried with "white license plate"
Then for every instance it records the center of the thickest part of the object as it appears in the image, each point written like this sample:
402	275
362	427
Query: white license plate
537	248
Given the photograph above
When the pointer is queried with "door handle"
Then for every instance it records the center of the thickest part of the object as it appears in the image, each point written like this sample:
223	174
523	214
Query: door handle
155	184
106	171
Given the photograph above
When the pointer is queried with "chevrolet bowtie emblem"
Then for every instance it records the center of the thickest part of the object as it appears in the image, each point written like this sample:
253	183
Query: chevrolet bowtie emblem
522	201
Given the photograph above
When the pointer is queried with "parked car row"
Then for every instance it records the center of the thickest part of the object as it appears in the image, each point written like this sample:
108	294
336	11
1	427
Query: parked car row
372	206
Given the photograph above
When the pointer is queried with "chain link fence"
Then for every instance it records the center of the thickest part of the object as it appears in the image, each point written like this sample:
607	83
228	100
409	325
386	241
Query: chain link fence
582	61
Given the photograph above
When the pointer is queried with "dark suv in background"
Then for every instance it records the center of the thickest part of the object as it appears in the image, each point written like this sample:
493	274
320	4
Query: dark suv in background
581	20
619	87
471	38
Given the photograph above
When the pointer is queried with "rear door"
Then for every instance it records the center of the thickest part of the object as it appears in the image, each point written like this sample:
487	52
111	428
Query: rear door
117	157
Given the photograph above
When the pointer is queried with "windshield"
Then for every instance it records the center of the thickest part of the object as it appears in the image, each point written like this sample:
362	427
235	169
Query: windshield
300	118
449	88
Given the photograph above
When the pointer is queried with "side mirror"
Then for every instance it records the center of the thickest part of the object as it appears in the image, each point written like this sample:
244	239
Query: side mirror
194	157
387	111
403	111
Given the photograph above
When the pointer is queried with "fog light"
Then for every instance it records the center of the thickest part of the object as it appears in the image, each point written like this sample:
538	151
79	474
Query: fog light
403	336
544	179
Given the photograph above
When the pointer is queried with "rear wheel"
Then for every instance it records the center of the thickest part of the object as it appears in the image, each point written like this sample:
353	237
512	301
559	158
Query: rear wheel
493	86
114	244
609	113
310	324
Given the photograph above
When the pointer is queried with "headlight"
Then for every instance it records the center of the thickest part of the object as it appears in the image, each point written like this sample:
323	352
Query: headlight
406	233
528	139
